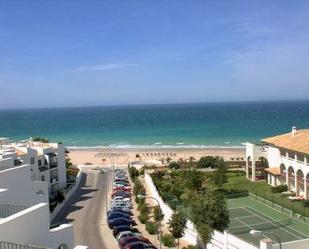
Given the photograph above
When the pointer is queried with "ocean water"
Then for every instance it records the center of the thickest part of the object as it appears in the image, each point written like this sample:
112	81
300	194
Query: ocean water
181	125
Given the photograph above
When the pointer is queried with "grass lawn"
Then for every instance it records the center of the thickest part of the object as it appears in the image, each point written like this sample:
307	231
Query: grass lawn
263	190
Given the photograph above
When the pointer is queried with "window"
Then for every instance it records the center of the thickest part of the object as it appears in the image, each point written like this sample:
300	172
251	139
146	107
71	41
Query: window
40	162
32	160
43	178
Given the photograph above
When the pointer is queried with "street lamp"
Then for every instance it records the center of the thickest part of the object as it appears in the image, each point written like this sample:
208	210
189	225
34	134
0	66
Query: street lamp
259	233
150	197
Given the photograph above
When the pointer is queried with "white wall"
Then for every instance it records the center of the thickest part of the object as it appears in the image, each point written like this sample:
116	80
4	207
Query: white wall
20	189
31	227
67	197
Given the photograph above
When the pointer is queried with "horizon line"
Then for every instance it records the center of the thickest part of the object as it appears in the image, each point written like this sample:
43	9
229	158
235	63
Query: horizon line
155	104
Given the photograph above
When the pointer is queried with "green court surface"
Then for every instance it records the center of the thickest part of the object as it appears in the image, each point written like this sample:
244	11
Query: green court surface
247	213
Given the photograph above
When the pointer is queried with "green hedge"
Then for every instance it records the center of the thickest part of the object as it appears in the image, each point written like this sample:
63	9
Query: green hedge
279	189
168	240
151	227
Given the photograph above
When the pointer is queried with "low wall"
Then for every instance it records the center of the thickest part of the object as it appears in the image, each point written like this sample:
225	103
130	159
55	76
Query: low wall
68	195
299	244
219	240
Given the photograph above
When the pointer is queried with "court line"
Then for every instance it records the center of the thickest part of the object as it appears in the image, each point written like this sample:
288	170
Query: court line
250	227
248	216
305	235
260	216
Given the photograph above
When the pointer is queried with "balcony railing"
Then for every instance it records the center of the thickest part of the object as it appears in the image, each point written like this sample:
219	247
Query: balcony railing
7	210
10	245
53	165
43	168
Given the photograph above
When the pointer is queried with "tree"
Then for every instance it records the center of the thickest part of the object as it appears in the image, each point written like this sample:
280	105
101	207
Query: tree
208	161
158	216
177	225
174	165
208	211
219	177
194	180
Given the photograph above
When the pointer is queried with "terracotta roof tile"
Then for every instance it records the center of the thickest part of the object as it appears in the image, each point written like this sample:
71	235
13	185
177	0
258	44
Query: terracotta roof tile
298	142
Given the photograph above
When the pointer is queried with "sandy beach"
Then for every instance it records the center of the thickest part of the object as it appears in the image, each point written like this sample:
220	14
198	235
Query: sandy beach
83	156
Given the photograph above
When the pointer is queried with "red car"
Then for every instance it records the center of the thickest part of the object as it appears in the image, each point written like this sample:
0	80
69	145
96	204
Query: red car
123	242
128	189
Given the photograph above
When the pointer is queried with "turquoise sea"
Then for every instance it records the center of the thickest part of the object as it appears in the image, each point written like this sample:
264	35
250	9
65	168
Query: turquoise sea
177	125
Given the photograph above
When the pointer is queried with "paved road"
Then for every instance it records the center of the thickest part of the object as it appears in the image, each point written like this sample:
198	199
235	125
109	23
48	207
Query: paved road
86	211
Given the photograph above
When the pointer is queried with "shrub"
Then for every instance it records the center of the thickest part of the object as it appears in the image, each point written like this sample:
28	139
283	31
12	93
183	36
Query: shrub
151	227
142	171
143	208
279	189
306	203
40	139
174	165
168	240
143	217
133	172
208	162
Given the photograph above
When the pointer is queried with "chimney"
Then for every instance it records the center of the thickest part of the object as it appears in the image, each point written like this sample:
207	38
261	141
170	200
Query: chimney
294	130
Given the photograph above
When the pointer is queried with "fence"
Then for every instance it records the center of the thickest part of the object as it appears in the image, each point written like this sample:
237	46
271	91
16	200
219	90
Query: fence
263	190
7	210
10	245
279	208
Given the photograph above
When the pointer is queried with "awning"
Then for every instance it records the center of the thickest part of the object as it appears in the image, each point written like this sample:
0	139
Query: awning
273	171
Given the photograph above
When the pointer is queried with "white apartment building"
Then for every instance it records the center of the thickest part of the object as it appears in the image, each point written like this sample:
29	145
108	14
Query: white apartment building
46	160
282	159
24	213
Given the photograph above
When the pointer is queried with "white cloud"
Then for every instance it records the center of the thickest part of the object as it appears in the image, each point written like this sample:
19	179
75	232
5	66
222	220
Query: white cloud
100	67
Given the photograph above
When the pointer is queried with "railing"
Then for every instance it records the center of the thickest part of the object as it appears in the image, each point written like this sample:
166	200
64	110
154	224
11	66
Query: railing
10	245
53	165
7	210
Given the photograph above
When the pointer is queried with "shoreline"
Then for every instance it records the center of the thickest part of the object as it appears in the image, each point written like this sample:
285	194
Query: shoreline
87	155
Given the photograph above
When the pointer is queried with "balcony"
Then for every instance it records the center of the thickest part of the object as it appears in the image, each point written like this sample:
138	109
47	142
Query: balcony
7	210
9	245
53	165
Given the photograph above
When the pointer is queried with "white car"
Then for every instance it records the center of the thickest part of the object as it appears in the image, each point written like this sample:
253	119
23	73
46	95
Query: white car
127	234
121	198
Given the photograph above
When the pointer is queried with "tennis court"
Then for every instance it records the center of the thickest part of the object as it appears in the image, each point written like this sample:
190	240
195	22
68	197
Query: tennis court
247	214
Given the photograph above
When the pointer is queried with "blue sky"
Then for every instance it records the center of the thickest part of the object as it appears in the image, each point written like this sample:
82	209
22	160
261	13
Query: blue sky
75	53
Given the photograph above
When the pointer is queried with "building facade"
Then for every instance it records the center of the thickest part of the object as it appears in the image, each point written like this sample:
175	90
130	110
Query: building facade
46	160
281	160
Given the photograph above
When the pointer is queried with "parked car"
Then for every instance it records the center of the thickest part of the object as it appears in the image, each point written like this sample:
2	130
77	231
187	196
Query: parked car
139	245
125	188
127	234
121	198
121	221
122	209
120	203
114	215
122	228
121	193
123	242
129	212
